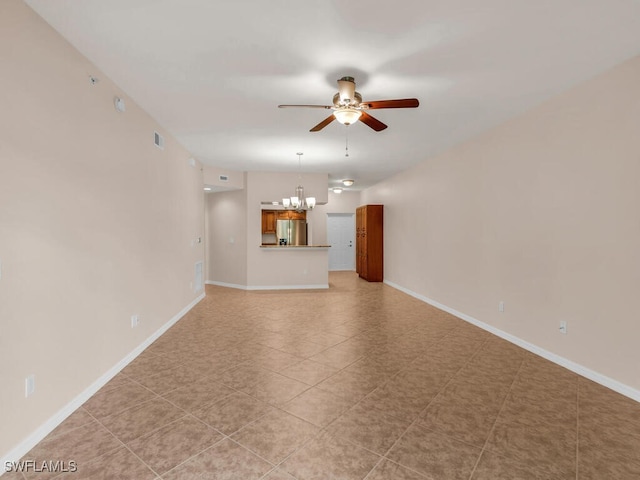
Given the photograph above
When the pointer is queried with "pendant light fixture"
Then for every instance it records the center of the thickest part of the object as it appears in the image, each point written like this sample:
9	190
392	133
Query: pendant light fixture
298	201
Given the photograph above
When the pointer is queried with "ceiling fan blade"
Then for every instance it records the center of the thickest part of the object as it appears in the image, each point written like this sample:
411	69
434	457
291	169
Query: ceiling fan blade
323	123
374	123
306	106
403	103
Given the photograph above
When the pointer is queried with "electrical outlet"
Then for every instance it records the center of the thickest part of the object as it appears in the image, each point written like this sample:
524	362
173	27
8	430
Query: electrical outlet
563	327
29	385
135	320
501	307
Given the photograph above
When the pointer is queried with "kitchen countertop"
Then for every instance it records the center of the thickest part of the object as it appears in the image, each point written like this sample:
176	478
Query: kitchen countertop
289	247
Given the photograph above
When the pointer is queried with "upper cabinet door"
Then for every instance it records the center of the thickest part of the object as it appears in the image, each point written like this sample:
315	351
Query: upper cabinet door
268	221
289	215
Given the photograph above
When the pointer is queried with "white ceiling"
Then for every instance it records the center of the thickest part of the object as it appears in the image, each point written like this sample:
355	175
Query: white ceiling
212	72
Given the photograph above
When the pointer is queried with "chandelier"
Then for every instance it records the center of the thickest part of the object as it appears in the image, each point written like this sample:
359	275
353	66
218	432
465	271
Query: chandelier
298	201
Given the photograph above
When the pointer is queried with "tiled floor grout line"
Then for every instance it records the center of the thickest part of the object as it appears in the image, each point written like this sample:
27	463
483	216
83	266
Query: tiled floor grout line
224	437
140	459
277	407
186	414
274	465
297	449
322	431
75	428
124	445
386	459
504	402
373	469
414	422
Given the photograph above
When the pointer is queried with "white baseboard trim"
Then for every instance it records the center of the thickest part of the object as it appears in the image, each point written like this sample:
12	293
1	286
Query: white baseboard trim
268	287
43	430
288	287
603	380
224	284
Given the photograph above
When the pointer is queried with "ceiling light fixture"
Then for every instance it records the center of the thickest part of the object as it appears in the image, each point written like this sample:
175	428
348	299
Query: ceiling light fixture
299	202
207	189
347	182
347	116
337	190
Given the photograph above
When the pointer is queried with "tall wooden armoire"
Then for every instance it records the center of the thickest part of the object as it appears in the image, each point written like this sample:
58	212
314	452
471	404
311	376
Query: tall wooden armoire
369	248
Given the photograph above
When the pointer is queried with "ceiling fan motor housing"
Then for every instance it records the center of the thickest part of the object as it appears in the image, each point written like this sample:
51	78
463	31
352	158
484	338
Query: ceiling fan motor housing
355	102
347	91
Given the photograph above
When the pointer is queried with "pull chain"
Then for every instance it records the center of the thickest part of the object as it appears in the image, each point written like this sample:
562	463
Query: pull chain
346	148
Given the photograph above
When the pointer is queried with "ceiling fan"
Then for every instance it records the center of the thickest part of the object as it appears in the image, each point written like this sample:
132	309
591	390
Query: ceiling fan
348	107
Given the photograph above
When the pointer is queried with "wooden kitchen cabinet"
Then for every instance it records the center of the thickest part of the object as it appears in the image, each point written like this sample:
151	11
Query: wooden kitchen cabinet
369	245
290	215
298	215
269	218
268	221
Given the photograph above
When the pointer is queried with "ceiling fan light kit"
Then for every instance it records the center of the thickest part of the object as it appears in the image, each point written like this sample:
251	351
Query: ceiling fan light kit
347	116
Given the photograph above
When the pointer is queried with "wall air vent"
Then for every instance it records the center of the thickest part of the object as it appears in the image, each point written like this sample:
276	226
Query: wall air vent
223	178
158	140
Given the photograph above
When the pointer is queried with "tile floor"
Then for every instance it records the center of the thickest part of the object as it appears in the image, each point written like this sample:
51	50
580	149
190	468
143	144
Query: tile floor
359	381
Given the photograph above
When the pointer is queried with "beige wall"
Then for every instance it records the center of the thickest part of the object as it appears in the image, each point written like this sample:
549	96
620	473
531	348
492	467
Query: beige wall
541	213
226	220
96	224
235	180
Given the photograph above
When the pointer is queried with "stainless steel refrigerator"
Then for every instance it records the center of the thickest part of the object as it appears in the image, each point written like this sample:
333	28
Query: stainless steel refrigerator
294	232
